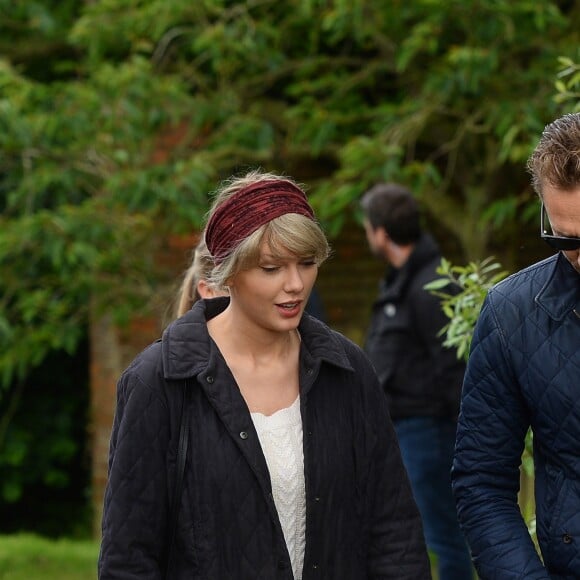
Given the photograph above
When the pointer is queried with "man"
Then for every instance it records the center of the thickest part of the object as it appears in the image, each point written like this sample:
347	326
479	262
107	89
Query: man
524	371
421	378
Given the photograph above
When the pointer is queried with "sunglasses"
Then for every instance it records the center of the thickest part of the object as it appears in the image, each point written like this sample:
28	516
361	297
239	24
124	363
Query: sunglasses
557	242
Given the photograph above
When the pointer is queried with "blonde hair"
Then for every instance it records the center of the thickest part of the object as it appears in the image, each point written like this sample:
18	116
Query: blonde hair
294	233
200	269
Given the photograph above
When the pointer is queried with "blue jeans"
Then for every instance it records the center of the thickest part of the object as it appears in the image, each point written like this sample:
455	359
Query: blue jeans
427	445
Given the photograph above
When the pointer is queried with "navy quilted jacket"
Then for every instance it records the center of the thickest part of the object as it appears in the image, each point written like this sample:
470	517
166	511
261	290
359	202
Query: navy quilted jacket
362	521
524	370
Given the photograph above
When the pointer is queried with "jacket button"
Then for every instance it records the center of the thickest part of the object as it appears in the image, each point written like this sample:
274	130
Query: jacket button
567	539
317	499
209	379
243	434
315	566
309	371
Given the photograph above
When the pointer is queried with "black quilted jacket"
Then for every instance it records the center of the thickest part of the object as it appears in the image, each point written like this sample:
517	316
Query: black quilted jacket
420	376
362	521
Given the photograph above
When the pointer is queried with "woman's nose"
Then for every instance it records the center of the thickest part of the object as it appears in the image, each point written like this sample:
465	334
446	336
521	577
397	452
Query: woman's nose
294	282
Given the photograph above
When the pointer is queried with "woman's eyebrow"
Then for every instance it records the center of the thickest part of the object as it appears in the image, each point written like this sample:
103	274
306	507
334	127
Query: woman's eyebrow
278	257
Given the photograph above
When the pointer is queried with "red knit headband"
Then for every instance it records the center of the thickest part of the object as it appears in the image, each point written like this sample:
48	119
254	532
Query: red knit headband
249	209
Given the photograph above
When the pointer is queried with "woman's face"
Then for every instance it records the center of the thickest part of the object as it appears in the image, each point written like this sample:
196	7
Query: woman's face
273	293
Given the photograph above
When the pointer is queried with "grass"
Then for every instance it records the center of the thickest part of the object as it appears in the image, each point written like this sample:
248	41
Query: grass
30	557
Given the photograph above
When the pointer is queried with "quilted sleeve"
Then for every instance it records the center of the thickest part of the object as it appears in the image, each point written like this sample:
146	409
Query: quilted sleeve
397	548
490	438
135	507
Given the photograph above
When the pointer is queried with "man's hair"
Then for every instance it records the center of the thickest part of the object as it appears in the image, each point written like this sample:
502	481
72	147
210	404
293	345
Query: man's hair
394	208
556	159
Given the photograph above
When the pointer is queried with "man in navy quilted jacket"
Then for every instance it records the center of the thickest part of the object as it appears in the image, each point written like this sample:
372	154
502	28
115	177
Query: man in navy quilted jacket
524	371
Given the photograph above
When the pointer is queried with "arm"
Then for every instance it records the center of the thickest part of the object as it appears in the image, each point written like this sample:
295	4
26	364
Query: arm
135	508
397	546
428	318
441	370
492	427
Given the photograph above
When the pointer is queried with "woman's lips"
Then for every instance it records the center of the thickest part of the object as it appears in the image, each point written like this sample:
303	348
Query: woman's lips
289	309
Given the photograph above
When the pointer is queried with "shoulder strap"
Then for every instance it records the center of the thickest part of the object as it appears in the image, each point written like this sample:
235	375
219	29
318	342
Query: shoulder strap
179	474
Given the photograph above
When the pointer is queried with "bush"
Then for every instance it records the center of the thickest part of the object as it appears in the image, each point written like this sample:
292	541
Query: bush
462	308
44	455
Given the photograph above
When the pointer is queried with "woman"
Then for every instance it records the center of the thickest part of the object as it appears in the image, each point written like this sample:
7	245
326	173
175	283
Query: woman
293	469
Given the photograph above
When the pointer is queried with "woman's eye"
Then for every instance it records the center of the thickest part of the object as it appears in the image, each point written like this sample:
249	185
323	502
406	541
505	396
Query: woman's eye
269	269
308	263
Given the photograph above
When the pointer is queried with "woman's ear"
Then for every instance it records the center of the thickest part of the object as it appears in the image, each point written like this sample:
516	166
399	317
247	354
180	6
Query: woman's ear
206	291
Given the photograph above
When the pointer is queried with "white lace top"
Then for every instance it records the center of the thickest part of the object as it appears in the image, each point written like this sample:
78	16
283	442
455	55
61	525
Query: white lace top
280	435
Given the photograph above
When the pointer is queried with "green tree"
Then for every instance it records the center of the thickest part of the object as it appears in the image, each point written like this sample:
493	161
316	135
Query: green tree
117	118
568	83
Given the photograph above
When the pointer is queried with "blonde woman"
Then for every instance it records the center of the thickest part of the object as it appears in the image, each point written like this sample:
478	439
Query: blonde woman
293	469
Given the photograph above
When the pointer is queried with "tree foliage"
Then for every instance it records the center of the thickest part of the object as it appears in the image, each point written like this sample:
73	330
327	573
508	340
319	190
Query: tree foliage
462	307
117	117
568	82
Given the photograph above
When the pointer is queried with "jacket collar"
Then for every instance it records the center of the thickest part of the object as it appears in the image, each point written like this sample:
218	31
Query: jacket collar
187	348
560	294
396	279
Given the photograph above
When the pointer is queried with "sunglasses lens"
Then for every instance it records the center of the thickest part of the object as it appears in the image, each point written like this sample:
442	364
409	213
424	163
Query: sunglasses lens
565	244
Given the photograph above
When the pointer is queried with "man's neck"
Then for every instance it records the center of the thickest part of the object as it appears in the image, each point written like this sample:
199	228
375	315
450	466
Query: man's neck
397	255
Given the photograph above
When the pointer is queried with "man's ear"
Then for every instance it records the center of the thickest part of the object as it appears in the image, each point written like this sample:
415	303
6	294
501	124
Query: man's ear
382	235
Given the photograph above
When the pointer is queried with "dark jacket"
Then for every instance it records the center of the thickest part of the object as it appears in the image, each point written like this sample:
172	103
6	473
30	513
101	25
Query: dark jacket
524	369
361	519
419	375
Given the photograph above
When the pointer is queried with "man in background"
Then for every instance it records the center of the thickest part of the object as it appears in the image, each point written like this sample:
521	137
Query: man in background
421	378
